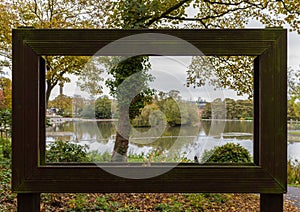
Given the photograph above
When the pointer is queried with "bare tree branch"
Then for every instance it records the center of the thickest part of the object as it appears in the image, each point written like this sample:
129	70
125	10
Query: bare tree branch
168	11
223	3
208	17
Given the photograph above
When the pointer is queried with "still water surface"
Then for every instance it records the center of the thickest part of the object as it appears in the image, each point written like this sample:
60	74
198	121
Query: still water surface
185	141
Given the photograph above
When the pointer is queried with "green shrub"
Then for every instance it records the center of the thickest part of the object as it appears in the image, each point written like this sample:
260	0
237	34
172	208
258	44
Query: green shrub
64	151
228	153
5	146
293	172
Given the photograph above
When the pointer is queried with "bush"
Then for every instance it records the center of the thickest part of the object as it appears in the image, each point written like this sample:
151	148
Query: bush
293	172
5	146
64	151
228	153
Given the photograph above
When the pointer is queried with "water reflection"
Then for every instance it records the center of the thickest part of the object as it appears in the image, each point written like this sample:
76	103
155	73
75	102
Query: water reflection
99	136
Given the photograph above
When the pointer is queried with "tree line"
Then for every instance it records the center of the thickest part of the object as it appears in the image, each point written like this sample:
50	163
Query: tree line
234	109
167	109
164	108
77	106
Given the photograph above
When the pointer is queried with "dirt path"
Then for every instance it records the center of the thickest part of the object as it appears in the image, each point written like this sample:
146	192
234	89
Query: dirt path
293	194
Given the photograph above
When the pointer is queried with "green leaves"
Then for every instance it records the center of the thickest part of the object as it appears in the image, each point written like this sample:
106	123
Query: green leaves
60	66
293	94
233	72
90	74
235	109
63	151
129	82
5	93
63	105
103	108
144	14
170	110
228	153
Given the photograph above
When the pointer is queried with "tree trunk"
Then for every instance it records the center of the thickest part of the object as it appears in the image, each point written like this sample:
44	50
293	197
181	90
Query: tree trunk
122	136
48	92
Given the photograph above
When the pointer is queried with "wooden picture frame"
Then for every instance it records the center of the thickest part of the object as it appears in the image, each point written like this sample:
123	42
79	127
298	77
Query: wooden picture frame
266	176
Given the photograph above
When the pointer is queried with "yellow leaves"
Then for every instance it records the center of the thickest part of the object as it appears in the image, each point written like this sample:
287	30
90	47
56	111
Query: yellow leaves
5	93
229	72
62	103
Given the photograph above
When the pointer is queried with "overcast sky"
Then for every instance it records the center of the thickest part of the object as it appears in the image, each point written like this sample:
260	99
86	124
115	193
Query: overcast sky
293	45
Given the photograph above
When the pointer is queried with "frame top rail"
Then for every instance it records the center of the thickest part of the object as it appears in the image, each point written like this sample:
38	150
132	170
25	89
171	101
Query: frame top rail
229	42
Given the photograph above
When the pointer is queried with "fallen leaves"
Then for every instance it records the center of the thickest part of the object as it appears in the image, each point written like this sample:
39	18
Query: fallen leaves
162	202
136	201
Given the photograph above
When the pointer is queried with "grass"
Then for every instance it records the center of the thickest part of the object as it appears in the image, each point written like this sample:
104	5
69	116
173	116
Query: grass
294	132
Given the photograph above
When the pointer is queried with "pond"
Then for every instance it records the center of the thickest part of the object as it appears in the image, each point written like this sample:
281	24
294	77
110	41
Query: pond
185	141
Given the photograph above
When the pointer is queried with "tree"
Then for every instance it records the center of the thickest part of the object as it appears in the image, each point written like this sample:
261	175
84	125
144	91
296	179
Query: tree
78	104
7	20
58	70
138	17
217	109
5	93
291	115
5	121
208	14
206	114
172	112
230	108
143	14
232	72
149	115
90	76
63	104
88	111
129	84
244	108
234	109
297	108
293	94
174	94
212	14
50	14
103	108
293	83
294	105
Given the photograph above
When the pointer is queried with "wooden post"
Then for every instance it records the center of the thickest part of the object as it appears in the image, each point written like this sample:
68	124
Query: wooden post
29	202
271	202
